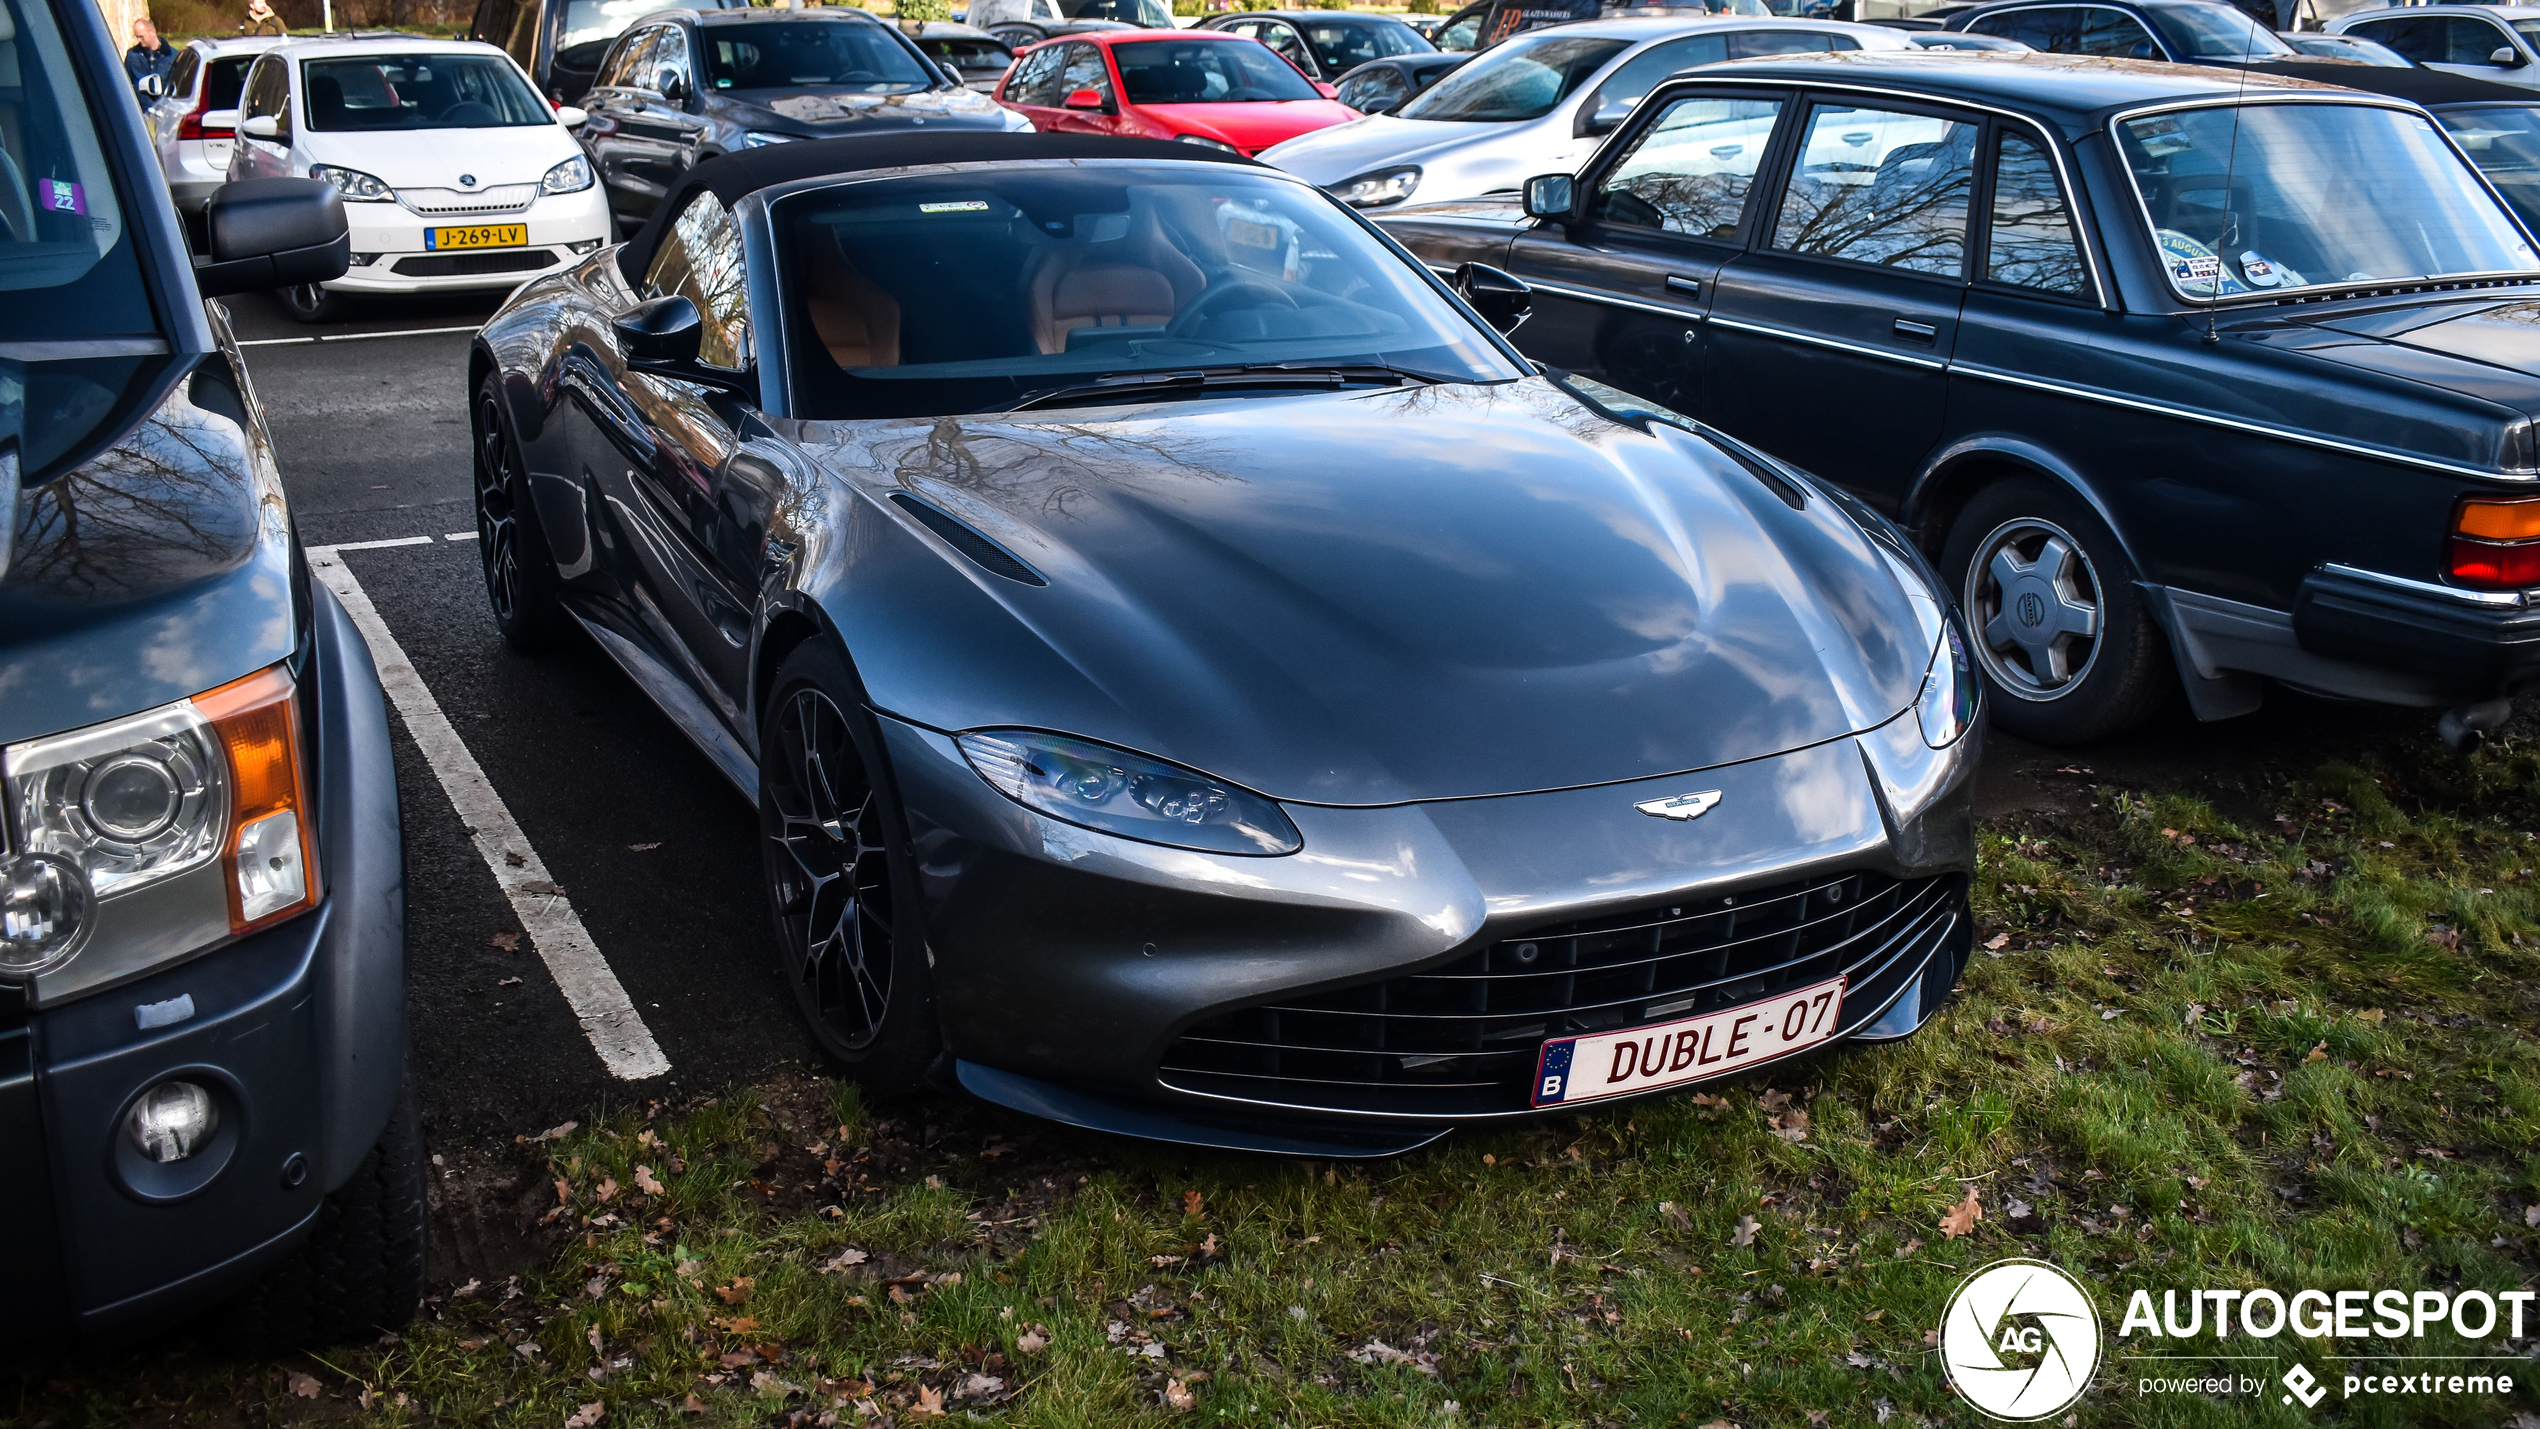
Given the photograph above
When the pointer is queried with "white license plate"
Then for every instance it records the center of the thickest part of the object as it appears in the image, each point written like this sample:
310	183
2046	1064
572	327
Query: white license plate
1669	1054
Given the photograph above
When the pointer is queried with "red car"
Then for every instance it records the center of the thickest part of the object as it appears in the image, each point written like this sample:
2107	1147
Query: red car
1199	86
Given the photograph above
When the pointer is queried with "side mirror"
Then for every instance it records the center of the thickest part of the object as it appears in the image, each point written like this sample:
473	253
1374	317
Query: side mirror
670	85
572	117
1551	196
663	336
2506	57
1503	300
1325	90
1083	99
273	233
151	87
1609	117
263	126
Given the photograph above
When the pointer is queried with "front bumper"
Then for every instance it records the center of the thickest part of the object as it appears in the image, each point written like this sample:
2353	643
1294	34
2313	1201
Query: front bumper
401	259
298	1030
1293	1004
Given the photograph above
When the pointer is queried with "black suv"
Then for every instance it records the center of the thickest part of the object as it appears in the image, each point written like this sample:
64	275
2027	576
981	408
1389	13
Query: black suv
202	905
559	43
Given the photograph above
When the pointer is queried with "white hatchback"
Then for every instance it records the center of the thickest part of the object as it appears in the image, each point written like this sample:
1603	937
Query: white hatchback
193	120
455	174
1537	103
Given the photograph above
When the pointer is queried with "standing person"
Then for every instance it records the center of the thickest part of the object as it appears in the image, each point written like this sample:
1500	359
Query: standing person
149	54
261	20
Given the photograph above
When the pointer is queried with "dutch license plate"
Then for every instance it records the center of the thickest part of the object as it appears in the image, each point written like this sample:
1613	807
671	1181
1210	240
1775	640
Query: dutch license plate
483	235
1640	1059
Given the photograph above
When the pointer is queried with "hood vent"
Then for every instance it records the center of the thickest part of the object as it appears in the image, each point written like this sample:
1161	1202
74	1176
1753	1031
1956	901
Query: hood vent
986	554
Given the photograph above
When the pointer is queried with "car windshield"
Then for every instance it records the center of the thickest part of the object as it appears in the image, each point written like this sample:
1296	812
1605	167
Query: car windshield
2504	141
1344	45
1523	78
795	54
2215	31
1228	71
974	290
2529	30
2272	197
420	91
589	25
1154	14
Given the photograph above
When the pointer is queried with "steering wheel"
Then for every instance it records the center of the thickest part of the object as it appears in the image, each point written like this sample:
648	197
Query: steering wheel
1243	292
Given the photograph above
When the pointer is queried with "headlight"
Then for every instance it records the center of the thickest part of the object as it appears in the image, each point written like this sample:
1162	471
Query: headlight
1127	794
1375	190
153	836
1947	705
760	139
353	184
1206	143
570	177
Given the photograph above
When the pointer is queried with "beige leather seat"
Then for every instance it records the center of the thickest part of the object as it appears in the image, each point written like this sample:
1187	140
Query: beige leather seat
857	321
1138	280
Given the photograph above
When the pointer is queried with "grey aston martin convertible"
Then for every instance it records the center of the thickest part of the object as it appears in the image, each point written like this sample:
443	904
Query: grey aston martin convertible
1196	679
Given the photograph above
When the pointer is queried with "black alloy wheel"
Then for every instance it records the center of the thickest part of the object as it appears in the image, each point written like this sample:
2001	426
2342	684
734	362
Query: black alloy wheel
830	834
520	575
312	303
2068	648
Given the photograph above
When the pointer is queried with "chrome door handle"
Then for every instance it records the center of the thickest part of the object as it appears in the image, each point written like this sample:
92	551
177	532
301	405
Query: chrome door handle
1919	332
1690	287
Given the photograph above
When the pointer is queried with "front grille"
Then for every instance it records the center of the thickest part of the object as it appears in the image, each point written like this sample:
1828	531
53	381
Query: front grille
1462	1039
503	198
446	265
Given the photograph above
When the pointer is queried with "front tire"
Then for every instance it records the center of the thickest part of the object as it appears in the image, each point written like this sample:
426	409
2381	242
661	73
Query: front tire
361	1271
837	876
520	573
2069	652
313	303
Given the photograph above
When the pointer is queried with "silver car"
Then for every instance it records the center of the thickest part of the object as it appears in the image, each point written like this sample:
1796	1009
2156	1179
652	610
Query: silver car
2491	42
194	121
1537	104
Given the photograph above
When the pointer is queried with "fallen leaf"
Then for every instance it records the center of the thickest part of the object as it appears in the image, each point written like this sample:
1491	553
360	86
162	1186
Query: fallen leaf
1161	1261
647	1182
2371	1014
899	1295
586	1416
592	1334
980	1386
766	1382
507	982
737	1359
608	1189
1773	1099
692	1405
564	1191
1178	1396
515	859
2319	1053
930	1403
1676	1215
304	1385
643	848
1032	1341
541	885
2531	1214
556	1133
2111	1014
1746	1228
1961	1219
737	1325
736	1292
1997	942
1190	1204
508	942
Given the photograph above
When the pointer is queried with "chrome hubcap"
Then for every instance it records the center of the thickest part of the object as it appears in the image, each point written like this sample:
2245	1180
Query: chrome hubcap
2036	601
497	520
830	874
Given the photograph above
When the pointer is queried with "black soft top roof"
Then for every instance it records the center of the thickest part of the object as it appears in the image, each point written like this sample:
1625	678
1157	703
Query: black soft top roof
732	177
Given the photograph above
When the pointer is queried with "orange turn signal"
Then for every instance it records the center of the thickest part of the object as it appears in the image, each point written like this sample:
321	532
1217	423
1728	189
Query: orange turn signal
271	852
2491	520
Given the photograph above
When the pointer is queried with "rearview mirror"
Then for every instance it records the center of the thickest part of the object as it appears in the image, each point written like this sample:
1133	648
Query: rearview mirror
1083	99
263	126
1503	300
663	336
2506	57
1551	196
572	116
273	233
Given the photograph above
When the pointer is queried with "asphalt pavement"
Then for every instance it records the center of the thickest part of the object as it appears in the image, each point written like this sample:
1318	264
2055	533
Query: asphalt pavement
638	834
652	848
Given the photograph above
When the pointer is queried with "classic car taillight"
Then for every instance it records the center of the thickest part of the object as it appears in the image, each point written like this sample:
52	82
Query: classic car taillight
2495	544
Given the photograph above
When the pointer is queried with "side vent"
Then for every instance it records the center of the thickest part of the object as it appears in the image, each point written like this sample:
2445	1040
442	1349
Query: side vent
989	556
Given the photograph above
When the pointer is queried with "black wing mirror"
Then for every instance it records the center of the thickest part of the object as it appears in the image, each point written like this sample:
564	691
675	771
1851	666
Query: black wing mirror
1551	196
662	337
1503	299
274	233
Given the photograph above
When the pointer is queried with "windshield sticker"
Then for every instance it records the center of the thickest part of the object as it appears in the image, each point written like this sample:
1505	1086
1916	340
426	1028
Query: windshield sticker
2193	267
2160	137
61	196
2257	272
1250	234
968	205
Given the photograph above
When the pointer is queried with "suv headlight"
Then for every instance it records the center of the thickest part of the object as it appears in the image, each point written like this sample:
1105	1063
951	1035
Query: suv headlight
570	177
1117	792
154	836
1376	190
353	184
1947	705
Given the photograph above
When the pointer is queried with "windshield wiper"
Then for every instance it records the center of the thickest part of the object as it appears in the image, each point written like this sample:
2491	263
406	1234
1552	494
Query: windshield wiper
1128	386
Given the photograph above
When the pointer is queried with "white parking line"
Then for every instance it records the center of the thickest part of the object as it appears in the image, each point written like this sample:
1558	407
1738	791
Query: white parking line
608	1016
351	336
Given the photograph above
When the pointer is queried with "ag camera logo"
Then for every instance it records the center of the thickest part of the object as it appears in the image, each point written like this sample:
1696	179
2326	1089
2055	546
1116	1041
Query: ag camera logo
2020	1340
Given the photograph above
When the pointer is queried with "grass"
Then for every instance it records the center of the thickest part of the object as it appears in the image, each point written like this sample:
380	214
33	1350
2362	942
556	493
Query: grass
2280	1046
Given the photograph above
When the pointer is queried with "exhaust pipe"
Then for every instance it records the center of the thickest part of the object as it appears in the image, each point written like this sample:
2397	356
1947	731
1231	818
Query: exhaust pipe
2465	728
